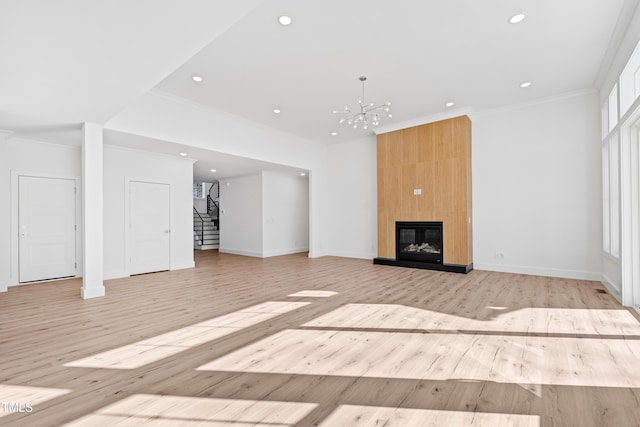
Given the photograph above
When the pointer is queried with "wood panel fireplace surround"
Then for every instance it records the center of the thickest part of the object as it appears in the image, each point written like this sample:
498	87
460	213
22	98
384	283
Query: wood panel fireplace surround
424	196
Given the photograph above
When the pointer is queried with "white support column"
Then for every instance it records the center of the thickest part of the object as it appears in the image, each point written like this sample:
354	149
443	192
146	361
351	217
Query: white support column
92	212
5	213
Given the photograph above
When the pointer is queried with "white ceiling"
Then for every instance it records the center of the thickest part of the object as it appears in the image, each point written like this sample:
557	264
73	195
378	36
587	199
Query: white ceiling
71	61
418	54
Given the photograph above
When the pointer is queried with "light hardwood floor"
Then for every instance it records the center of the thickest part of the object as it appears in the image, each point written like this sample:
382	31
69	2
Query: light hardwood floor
292	341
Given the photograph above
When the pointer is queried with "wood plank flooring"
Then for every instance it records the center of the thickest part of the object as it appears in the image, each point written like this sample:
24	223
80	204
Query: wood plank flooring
292	341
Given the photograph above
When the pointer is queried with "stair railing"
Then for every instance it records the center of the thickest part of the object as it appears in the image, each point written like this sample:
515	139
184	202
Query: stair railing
211	206
202	227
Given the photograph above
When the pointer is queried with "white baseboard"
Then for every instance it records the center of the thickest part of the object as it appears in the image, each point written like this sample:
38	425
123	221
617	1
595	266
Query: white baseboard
317	254
183	265
92	293
538	271
3	286
357	255
240	252
284	252
611	287
114	274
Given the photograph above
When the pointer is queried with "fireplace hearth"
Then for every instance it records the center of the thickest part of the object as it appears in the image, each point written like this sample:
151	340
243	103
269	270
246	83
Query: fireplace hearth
419	241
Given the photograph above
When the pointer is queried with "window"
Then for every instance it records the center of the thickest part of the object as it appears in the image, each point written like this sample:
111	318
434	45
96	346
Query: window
630	82
605	119
198	192
606	201
611	196
613	107
614	194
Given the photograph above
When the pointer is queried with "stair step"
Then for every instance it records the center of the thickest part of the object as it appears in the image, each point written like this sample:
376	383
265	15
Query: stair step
206	247
207	237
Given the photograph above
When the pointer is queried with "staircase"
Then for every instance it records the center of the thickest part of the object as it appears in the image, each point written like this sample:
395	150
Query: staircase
205	234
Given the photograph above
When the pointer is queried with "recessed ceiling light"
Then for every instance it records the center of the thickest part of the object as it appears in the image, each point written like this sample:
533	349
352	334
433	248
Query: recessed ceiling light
334	133
515	19
303	174
284	20
196	78
183	154
277	110
213	170
450	104
525	84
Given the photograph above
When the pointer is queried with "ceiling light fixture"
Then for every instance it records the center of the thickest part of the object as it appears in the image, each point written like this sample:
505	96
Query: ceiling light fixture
277	110
516	19
369	114
334	133
450	104
183	154
284	20
525	84
196	78
213	170
303	174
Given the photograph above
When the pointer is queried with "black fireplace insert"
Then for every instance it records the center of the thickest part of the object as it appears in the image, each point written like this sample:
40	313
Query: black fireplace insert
419	241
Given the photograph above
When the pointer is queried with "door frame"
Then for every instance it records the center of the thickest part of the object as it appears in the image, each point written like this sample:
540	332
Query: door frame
127	219
14	279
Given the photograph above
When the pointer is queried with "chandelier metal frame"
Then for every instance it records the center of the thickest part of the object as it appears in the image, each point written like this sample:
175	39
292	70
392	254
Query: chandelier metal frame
368	114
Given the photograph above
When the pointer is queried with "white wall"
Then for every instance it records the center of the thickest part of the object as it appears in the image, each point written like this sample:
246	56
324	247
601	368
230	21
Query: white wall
241	215
619	282
353	206
122	165
41	159
285	221
537	188
264	215
162	117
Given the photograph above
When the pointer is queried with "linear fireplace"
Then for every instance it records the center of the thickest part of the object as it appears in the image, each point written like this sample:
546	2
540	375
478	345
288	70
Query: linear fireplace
419	241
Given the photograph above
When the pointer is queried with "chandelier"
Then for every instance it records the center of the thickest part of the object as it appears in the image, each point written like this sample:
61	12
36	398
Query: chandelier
368	115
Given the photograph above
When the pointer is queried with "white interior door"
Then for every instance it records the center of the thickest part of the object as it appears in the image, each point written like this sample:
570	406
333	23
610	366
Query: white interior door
149	227
46	228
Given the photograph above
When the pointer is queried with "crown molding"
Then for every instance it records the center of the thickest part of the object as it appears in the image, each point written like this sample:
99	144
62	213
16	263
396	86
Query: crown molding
536	102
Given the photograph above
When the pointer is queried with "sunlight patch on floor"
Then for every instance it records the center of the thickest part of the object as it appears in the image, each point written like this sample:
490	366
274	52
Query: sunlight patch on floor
152	410
25	397
506	359
314	294
160	346
523	320
374	416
